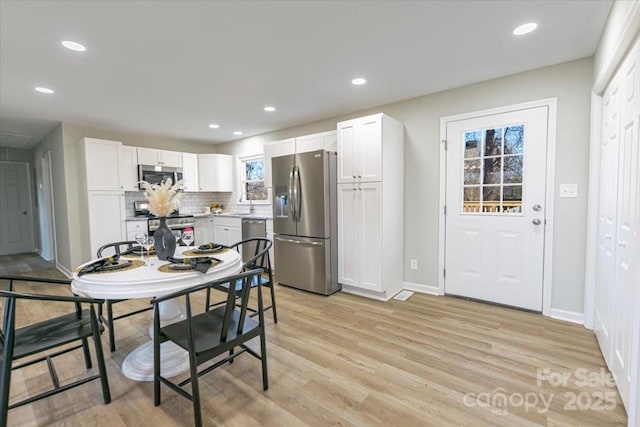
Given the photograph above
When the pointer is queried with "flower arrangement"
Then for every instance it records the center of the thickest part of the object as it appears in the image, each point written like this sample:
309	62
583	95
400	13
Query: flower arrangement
164	198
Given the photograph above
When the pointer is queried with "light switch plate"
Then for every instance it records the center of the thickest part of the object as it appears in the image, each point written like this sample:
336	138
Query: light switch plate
568	190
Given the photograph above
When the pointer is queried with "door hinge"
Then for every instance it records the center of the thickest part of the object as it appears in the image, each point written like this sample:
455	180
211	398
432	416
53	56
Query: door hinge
444	141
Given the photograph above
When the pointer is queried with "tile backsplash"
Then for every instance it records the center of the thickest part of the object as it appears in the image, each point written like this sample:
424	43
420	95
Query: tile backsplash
193	203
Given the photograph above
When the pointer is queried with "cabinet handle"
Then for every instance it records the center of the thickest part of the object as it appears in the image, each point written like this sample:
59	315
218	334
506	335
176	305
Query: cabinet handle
359	189
354	177
359	176
354	189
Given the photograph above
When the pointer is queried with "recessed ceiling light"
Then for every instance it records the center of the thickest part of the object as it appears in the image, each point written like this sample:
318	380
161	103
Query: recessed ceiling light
214	126
44	90
237	132
358	81
525	28
269	109
73	46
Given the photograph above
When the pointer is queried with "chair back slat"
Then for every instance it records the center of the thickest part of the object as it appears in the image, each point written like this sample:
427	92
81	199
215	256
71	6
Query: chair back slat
117	247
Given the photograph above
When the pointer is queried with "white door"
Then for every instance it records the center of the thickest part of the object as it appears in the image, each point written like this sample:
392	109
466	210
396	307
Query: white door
495	207
348	224
370	229
16	217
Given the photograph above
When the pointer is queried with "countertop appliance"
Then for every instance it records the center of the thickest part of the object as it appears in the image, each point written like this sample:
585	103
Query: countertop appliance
252	228
305	221
158	174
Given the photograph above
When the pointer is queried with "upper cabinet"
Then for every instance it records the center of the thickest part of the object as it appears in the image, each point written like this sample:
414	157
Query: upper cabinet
190	180
318	141
151	156
360	143
128	168
101	161
215	172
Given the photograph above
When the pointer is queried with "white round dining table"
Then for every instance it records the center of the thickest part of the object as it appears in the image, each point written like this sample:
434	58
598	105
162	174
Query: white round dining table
148	281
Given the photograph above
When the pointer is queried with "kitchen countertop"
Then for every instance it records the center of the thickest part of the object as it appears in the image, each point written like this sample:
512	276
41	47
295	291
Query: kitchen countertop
233	215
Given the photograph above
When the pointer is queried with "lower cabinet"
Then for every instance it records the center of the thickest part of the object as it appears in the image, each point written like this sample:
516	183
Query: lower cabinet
135	227
106	213
204	230
227	231
360	240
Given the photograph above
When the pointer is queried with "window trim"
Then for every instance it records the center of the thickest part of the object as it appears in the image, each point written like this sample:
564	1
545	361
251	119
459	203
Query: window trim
240	180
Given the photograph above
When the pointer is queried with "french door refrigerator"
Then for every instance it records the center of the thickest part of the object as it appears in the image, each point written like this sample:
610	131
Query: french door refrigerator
305	221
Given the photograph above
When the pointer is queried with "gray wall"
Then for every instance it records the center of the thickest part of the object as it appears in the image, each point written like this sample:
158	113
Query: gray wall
569	82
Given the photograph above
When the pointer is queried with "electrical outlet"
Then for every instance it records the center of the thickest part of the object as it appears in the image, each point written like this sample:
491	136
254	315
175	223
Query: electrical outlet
414	264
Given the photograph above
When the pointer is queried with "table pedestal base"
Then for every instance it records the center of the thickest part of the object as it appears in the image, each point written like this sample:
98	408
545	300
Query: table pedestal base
138	365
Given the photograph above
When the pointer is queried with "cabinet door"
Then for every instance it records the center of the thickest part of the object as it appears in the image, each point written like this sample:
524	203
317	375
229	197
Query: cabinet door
203	231
171	159
370	235
330	141
276	149
106	218
190	172
223	171
369	135
148	156
128	168
221	234
348	226
309	143
206	173
101	161
347	151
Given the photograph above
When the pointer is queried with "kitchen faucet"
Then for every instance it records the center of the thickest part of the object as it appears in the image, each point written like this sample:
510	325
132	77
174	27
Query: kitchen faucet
251	208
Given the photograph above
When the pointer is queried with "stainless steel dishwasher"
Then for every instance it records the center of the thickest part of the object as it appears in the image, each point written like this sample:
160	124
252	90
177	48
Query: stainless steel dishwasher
252	228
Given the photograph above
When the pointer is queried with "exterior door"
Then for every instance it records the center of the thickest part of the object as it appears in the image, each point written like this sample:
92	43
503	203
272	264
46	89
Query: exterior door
495	210
16	217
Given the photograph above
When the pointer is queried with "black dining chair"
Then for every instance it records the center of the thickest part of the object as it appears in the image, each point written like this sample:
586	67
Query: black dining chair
116	248
45	337
255	246
210	334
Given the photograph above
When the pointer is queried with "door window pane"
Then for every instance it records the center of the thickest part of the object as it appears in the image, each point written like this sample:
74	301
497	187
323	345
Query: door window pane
493	170
472	172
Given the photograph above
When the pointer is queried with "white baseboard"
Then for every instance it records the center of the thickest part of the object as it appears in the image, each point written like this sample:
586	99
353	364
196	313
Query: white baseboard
569	316
380	296
64	270
419	287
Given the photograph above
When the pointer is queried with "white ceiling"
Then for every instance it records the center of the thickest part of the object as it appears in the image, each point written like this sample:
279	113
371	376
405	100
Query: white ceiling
169	68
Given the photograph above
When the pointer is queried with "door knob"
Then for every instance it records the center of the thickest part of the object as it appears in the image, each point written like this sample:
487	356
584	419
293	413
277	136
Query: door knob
536	221
537	208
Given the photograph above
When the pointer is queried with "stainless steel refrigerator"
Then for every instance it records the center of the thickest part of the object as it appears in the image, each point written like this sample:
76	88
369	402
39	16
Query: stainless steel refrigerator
305	226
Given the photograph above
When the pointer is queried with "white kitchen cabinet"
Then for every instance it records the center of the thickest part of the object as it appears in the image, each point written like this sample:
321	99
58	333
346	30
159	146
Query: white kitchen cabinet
370	208
226	230
359	235
128	167
276	149
190	181
204	231
152	156
135	227
106	213
101	164
318	141
362	147
215	172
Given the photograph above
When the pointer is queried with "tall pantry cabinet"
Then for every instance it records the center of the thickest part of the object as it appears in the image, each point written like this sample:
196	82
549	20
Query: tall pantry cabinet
370	205
104	187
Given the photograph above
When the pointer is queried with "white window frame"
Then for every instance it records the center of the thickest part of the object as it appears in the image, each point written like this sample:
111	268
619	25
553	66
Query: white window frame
240	180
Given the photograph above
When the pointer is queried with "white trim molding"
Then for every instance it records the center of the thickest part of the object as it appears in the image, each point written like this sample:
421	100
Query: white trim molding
551	104
567	316
64	270
423	289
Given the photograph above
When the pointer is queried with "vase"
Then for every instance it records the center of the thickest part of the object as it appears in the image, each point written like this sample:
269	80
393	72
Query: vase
164	240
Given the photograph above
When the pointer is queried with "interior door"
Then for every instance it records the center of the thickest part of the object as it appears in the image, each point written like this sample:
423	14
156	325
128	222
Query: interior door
495	218
16	217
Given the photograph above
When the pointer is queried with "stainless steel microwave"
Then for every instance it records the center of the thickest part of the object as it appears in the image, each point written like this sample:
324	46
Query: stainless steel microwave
158	174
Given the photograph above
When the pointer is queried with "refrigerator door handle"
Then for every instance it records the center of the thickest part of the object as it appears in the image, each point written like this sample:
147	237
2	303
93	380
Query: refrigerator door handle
298	198
297	242
292	208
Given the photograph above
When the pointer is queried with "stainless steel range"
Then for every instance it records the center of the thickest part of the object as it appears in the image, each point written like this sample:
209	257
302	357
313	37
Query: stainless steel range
176	222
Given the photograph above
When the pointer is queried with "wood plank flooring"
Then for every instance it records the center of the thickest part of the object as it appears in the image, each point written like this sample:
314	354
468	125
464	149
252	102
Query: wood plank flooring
346	360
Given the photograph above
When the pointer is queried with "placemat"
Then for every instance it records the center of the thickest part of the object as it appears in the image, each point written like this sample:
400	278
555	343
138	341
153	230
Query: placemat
135	263
133	256
191	253
164	268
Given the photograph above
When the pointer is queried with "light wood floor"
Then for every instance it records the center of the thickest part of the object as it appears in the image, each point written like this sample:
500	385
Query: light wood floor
346	360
